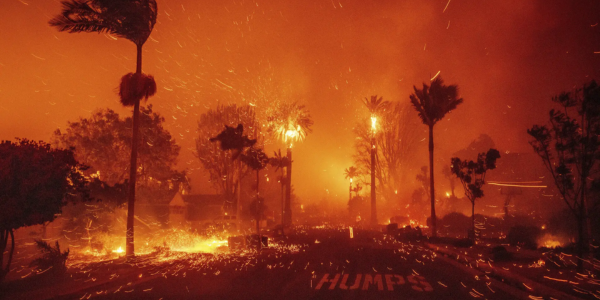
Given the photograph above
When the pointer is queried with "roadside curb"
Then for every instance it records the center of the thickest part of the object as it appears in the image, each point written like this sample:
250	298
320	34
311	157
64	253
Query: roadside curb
524	284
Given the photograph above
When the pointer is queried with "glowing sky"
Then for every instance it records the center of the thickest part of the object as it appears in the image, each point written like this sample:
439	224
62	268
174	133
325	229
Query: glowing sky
507	56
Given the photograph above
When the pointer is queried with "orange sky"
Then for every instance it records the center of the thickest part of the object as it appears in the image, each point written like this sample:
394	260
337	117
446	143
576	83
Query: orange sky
507	56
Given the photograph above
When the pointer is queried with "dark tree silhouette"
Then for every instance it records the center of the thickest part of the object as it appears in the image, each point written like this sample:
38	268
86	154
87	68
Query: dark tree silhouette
103	142
423	178
433	103
36	181
280	162
472	176
225	171
257	160
569	147
132	20
357	189
232	139
448	174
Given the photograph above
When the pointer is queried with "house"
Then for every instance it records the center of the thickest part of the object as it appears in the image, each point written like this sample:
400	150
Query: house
195	210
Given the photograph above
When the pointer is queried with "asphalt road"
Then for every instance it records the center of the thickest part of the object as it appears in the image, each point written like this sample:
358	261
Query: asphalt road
328	265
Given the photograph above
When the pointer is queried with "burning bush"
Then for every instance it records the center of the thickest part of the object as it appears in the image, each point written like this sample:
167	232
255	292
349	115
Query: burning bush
551	241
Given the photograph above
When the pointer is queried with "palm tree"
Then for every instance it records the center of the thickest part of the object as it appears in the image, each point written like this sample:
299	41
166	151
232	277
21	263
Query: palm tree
132	20
290	123
375	106
433	103
351	173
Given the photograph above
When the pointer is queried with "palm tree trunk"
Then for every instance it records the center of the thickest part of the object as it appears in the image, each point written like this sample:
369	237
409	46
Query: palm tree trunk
373	185
288	191
350	193
431	185
583	242
282	206
130	251
238	196
258	211
506	204
3	240
473	220
4	270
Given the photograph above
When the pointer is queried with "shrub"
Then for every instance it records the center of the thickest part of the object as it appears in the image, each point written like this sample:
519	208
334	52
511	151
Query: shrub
52	258
524	236
463	243
500	253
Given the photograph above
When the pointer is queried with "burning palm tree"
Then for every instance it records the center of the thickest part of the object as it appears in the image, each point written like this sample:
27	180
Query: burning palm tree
290	123
433	103
132	20
375	106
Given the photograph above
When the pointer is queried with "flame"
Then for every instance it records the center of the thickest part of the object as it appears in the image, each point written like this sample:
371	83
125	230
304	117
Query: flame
552	244
120	250
374	123
551	241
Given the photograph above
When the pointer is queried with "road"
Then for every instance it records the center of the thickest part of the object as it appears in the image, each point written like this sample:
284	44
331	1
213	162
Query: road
327	265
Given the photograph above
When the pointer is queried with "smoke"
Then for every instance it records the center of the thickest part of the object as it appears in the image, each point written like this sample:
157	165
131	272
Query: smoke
508	58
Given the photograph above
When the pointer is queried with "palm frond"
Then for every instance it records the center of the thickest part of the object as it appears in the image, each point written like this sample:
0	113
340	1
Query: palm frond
434	102
129	19
351	172
375	105
134	87
292	122
79	16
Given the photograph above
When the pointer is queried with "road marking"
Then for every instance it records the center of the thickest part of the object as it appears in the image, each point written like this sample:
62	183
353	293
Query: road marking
416	282
325	279
372	280
354	286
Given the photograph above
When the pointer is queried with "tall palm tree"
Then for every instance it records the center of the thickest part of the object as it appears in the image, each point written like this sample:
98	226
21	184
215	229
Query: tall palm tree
433	103
375	106
290	123
132	20
351	173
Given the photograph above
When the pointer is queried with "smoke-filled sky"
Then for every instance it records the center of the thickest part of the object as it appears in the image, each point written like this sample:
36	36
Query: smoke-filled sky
508	57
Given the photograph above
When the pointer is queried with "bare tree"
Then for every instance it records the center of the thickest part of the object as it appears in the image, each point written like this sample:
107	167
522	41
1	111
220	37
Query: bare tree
397	141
